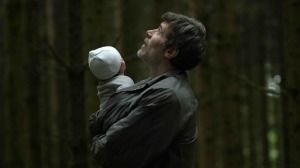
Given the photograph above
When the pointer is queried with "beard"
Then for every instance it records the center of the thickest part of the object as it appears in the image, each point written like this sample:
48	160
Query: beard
141	52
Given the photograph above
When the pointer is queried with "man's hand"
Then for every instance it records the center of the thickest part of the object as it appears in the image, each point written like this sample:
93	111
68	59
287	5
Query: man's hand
122	68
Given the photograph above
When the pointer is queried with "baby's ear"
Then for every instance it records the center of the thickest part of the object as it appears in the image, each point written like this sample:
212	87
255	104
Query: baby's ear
122	68
171	53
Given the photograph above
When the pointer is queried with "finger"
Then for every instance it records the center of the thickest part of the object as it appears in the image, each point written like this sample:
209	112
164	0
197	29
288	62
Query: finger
122	68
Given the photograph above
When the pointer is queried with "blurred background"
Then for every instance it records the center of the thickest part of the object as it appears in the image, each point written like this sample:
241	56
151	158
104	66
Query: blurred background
248	87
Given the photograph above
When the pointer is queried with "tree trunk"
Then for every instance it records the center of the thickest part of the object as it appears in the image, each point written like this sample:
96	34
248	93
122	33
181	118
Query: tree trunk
3	115
291	100
60	89
229	111
272	49
254	64
205	90
201	82
76	77
46	115
34	77
17	114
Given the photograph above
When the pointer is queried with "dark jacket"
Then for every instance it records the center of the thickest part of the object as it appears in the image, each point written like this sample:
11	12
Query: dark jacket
151	124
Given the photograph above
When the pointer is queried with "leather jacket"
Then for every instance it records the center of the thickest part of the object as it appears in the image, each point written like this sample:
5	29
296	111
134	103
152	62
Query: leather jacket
151	124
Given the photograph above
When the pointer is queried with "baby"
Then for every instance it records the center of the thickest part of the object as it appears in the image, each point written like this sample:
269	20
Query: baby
106	63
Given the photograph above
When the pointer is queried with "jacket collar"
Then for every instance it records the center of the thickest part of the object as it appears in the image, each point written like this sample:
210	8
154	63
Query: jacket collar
150	81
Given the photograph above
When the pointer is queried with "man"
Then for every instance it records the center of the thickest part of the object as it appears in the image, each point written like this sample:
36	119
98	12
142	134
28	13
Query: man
152	124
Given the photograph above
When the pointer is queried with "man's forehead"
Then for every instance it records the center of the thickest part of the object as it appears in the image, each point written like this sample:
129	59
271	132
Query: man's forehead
164	27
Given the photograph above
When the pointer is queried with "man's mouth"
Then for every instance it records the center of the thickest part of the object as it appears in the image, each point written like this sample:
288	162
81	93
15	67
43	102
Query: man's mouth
144	44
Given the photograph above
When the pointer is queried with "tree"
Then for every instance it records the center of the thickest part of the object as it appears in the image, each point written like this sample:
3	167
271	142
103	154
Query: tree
17	126
252	76
76	79
291	83
2	99
33	69
59	87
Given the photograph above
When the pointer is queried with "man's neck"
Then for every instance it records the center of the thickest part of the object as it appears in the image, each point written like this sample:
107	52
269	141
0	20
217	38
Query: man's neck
160	70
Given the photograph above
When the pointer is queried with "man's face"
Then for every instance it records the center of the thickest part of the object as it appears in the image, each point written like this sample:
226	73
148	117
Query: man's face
152	50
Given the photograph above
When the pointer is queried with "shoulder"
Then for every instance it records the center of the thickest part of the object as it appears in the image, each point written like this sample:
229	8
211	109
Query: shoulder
166	88
178	88
176	82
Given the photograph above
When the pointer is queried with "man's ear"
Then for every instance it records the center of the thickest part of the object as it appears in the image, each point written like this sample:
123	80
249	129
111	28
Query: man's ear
171	53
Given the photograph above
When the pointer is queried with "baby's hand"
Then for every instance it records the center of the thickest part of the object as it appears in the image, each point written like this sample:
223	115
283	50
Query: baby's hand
122	68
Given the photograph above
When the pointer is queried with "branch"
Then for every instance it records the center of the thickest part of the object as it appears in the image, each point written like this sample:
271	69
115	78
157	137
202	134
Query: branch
56	58
283	90
116	41
248	82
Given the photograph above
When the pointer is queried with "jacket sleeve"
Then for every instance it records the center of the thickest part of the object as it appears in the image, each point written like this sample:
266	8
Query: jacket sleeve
144	134
92	125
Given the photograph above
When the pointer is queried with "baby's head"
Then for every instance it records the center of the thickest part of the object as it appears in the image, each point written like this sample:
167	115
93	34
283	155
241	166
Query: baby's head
105	62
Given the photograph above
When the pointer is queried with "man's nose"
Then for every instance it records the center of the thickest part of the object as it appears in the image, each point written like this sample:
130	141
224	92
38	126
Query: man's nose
149	33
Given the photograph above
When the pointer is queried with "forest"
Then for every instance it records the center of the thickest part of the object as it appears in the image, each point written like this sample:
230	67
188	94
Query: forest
248	86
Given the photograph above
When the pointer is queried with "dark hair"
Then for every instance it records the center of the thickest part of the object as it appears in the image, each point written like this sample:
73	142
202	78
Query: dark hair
188	36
